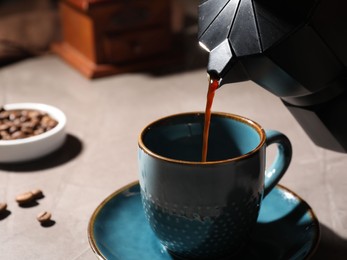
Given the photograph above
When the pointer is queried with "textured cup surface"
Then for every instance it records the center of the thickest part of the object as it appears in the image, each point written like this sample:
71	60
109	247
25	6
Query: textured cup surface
196	209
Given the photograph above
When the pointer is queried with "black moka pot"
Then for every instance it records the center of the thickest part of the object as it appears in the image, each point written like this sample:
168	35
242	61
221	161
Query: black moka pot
296	49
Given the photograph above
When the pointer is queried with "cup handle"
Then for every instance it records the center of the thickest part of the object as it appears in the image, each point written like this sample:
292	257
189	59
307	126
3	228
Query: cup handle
282	160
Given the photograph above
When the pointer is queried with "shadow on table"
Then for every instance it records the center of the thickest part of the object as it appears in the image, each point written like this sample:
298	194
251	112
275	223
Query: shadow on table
69	150
331	245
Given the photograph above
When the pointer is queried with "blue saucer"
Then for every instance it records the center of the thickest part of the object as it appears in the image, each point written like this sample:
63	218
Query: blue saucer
286	228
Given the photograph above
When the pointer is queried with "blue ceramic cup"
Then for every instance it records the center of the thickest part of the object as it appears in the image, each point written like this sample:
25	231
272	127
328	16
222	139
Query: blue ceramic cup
198	209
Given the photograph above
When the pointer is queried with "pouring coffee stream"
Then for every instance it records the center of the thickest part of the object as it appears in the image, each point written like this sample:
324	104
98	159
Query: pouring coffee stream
295	49
213	85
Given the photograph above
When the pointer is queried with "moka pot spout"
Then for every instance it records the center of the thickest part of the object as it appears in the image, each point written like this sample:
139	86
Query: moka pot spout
225	66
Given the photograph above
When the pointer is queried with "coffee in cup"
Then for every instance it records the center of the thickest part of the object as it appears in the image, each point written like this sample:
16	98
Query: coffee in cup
207	209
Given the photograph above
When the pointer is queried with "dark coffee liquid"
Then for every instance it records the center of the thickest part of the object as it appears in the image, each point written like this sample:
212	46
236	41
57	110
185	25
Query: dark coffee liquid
213	85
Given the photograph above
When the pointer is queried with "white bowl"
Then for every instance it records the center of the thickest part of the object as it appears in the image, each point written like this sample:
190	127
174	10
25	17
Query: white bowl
26	149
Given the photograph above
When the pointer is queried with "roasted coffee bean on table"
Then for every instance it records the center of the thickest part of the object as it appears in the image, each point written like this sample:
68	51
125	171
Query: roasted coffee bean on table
3	207
25	198
44	217
23	123
37	193
29	196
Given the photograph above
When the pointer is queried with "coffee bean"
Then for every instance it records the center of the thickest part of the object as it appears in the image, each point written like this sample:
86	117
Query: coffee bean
13	115
3	207
17	135
23	118
25	198
4	135
18	124
37	193
12	129
44	217
24	113
4	114
27	130
4	127
35	122
29	125
34	113
52	123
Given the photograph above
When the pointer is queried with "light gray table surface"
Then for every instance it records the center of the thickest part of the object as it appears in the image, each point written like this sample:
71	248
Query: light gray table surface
105	117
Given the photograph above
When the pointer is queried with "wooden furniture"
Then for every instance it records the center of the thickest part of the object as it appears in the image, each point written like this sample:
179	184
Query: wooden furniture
105	37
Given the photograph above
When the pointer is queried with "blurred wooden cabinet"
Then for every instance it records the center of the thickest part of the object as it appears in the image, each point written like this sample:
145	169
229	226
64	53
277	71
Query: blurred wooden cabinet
105	37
